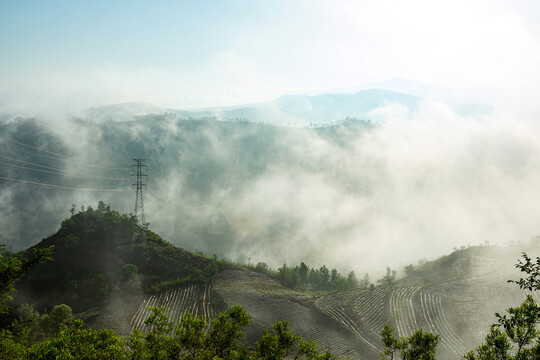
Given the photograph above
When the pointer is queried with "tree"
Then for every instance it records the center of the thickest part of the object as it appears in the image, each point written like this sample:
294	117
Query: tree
365	281
303	273
99	285
129	277
283	343
75	342
389	279
13	266
409	269
324	276
59	317
419	346
352	280
226	333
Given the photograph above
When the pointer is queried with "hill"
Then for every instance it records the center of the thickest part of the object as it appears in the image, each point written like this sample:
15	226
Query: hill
297	110
121	112
95	258
111	281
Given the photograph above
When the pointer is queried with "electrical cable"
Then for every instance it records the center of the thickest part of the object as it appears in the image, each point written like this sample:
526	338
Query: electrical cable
66	160
52	186
154	195
74	135
75	162
65	173
32	147
43	166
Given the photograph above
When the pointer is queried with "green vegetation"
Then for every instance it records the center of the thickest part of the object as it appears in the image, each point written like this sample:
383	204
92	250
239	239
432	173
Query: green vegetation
12	267
419	346
58	336
117	265
302	277
389	279
190	339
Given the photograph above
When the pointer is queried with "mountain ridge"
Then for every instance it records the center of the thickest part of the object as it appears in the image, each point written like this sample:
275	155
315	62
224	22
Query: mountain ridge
294	110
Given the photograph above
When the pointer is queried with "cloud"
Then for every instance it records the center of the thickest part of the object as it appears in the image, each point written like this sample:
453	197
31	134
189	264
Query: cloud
412	188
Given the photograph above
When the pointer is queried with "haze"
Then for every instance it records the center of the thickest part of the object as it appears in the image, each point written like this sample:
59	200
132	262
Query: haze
419	183
194	54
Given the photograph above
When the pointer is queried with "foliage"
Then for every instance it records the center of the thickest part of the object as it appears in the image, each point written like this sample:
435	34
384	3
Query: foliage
389	279
33	327
94	255
190	339
303	277
409	269
283	343
532	269
13	266
75	342
419	346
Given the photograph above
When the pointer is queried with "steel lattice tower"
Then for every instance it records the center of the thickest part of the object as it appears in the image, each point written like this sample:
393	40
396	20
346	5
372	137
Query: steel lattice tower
139	228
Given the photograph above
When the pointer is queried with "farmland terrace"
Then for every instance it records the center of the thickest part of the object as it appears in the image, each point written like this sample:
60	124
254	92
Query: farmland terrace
348	323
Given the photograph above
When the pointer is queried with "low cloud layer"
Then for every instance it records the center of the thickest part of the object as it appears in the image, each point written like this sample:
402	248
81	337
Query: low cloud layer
352	196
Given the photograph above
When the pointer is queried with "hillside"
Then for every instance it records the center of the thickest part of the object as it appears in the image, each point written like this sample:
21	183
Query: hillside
462	263
110	282
95	258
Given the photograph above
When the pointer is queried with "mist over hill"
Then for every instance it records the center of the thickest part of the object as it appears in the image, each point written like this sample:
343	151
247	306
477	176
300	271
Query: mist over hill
354	195
293	110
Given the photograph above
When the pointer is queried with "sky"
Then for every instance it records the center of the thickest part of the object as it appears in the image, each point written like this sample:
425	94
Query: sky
58	56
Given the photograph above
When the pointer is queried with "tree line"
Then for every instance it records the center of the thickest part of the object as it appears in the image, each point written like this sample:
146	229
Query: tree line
303	277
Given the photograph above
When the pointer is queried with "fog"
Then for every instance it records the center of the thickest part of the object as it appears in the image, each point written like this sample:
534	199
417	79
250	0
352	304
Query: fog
352	196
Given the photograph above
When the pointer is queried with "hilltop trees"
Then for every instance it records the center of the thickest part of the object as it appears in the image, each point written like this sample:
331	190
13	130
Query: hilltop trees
104	236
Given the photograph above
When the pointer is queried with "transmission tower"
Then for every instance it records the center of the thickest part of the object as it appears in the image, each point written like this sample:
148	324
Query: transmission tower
139	227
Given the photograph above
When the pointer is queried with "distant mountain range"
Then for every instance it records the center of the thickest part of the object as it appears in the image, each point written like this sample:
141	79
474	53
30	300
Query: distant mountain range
294	110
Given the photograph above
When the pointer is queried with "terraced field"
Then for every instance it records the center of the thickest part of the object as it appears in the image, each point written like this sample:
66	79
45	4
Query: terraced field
243	287
460	310
190	298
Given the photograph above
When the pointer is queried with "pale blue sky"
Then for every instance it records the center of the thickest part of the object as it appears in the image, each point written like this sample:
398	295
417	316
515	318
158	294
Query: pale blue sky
190	54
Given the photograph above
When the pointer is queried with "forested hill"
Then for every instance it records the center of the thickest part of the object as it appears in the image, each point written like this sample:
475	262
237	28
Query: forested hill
94	256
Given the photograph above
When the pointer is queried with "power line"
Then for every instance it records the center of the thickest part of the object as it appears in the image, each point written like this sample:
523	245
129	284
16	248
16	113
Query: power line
155	196
72	134
60	187
33	147
74	162
13	109
66	160
64	173
51	168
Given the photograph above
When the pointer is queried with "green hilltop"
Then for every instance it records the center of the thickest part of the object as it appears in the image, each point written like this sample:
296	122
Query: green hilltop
94	257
